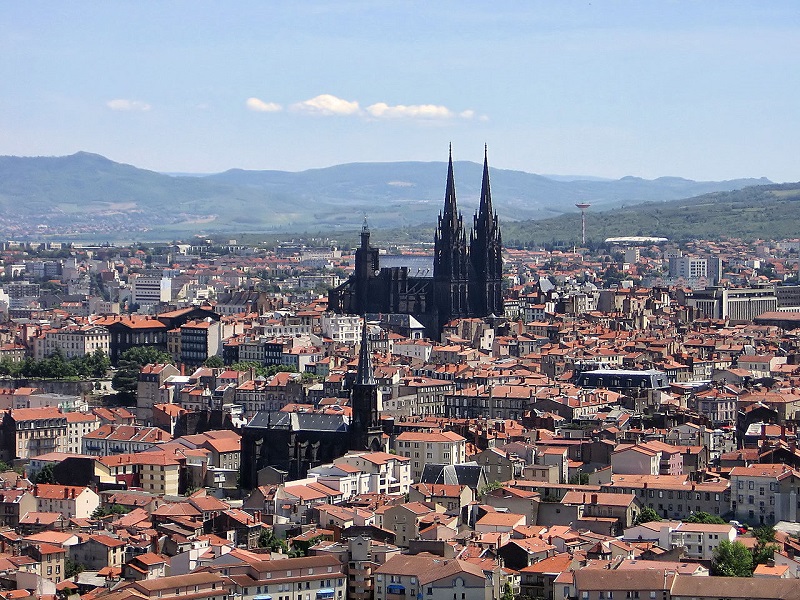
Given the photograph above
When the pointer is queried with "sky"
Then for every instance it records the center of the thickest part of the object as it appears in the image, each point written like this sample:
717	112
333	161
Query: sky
703	90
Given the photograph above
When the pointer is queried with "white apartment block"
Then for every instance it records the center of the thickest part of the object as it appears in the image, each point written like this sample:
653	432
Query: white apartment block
342	329
71	341
384	473
149	290
445	448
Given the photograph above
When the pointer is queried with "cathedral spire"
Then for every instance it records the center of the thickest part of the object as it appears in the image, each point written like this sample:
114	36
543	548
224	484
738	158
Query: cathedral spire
365	374
485	210
450	214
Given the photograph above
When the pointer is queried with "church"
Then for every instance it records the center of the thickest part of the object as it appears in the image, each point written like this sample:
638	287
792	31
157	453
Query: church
294	442
462	279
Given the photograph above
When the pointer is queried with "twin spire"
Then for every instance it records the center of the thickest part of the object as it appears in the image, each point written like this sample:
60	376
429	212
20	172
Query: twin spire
485	214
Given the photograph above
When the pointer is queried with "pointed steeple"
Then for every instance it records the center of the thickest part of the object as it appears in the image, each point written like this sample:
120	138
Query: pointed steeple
450	208
485	210
365	374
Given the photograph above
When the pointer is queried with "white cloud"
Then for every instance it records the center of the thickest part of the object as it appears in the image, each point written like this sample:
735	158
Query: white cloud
124	104
467	114
381	110
258	105
327	105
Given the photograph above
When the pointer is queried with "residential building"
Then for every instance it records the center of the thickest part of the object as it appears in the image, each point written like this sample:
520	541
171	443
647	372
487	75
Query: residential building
445	448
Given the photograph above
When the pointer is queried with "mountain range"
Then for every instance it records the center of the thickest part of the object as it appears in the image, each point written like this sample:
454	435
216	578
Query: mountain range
85	193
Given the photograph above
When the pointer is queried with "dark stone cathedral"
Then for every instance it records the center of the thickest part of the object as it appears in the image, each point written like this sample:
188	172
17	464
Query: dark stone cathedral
462	279
294	442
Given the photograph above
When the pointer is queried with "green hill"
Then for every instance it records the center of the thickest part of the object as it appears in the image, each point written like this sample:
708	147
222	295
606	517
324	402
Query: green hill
765	211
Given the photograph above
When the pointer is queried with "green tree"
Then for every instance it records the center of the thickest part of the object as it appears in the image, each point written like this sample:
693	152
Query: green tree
214	362
647	515
579	479
72	568
301	548
490	487
130	364
732	559
508	592
705	518
268	539
114	509
45	474
764	550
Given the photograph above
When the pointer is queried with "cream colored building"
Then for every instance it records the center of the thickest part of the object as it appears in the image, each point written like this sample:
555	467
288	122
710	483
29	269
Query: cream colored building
444	448
72	502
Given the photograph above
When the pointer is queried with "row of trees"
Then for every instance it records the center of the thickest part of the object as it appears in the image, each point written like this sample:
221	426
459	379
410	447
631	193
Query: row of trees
57	366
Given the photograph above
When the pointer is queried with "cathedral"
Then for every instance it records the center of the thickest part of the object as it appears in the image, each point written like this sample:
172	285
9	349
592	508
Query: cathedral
462	279
294	442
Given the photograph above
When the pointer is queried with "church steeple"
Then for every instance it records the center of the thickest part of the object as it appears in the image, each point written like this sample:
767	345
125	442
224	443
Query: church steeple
365	374
365	427
451	258
485	210
450	214
485	252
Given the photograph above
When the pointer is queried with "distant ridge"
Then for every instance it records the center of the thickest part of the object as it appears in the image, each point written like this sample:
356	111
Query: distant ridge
765	211
86	192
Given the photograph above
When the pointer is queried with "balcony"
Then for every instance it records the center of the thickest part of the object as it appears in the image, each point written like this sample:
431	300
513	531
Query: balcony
395	591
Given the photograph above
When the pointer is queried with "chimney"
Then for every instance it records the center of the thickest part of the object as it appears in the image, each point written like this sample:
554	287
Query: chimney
594	498
66	493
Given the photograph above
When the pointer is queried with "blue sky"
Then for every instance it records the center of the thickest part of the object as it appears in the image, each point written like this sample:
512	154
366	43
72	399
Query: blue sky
704	90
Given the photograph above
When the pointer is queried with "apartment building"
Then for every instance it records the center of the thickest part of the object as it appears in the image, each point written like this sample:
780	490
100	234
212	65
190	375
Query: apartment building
444	448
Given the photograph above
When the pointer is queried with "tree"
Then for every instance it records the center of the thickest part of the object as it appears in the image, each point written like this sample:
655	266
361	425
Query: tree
508	592
72	568
732	559
490	487
648	515
267	539
705	518
764	550
214	362
45	474
114	509
579	479
130	364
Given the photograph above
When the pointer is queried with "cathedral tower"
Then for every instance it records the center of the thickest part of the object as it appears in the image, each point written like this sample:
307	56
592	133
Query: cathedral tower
451	260
485	252
365	427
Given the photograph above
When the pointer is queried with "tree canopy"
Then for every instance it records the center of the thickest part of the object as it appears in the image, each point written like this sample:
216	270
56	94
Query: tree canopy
647	515
732	559
56	366
130	364
705	518
214	362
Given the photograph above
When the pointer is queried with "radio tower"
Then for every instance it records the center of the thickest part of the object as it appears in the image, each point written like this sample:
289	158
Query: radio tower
583	206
